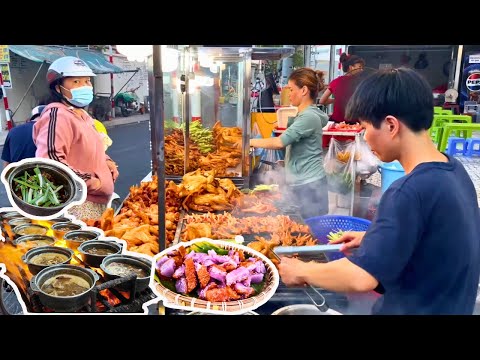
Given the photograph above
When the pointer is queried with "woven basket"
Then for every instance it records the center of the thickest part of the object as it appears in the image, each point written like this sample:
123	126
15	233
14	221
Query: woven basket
179	301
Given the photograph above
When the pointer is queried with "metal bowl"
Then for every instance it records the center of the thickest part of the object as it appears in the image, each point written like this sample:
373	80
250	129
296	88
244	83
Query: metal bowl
29	239
73	243
141	283
18	221
11	215
63	303
95	259
52	221
36	268
61	228
72	189
20	228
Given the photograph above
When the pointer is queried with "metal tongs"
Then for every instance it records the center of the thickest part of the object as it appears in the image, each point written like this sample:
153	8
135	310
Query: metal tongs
322	304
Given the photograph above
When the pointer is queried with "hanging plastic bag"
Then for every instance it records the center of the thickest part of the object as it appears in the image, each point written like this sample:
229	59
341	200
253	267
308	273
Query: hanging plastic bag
339	166
367	163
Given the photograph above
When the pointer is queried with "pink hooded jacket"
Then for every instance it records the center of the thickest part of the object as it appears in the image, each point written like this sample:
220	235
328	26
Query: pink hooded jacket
62	135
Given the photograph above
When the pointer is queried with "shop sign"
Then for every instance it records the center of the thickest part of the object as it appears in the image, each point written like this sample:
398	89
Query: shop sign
6	75
4	54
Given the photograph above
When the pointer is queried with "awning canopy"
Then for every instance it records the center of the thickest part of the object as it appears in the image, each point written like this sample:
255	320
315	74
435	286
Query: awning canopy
94	59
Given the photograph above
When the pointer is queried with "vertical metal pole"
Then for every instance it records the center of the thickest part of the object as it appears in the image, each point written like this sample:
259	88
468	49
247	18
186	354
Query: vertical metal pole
287	68
331	65
112	111
458	70
158	137
331	72
186	133
307	50
246	125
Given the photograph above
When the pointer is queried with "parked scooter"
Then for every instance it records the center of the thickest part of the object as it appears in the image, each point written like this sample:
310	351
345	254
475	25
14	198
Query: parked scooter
127	102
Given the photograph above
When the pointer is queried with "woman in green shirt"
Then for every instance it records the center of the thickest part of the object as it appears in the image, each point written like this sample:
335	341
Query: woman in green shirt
303	142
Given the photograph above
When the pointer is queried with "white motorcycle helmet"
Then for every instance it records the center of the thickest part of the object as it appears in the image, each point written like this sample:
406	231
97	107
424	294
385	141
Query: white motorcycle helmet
67	66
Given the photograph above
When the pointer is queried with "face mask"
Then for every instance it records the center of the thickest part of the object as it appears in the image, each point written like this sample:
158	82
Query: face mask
81	96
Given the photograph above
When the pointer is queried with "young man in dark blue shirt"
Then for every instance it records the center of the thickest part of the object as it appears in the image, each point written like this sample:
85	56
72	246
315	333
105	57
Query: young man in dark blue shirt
19	143
422	251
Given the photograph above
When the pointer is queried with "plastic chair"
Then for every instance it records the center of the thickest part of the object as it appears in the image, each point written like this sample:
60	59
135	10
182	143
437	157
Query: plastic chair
448	128
435	133
470	147
438	110
452	146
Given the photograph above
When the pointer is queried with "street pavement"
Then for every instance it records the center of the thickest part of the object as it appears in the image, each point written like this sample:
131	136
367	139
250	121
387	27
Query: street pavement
130	150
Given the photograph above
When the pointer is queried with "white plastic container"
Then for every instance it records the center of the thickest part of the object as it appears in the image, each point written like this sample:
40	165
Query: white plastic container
283	114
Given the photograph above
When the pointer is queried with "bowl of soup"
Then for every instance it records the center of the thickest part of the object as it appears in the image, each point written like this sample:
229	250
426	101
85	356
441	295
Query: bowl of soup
42	257
75	238
34	241
61	228
94	251
121	265
64	288
29	229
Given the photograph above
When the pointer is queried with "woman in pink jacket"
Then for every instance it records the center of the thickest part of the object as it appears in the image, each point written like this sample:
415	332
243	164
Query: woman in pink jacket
65	132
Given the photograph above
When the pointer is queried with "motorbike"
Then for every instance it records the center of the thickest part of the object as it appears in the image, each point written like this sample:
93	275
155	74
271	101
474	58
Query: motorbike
128	103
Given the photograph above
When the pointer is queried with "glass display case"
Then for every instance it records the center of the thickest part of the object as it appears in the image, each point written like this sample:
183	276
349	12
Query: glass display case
207	109
206	105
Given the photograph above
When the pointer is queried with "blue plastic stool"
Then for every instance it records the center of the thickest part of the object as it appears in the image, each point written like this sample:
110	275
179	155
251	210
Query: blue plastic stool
470	145
452	146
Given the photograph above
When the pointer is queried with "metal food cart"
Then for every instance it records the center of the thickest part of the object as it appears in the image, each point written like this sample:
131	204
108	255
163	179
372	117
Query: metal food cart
206	84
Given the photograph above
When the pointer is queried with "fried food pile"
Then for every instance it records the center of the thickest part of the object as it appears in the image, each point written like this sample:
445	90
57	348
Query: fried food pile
174	153
202	191
137	222
226	226
256	203
226	140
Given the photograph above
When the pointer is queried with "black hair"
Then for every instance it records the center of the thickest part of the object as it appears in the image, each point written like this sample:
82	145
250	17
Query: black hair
270	82
349	60
401	92
55	96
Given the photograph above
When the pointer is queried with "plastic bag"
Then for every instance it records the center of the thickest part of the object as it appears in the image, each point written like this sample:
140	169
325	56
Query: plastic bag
367	163
339	166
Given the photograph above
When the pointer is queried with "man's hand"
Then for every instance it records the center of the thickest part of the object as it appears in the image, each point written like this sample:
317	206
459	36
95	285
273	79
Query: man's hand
291	271
351	240
113	169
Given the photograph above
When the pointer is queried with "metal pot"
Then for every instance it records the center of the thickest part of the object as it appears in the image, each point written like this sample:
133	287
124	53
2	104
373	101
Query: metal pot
11	215
19	221
141	283
35	268
71	188
64	303
94	259
52	221
72	243
303	309
18	229
23	240
61	228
